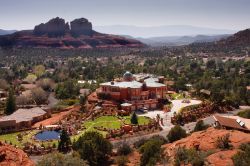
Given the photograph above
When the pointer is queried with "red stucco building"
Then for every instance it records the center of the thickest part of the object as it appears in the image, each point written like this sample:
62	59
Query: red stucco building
136	91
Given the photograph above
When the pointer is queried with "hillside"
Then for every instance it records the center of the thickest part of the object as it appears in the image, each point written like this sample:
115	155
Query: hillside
57	33
181	40
241	38
206	141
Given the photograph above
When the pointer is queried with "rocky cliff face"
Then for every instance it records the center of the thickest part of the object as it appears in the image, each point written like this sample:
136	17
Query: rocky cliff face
13	157
81	26
53	28
56	33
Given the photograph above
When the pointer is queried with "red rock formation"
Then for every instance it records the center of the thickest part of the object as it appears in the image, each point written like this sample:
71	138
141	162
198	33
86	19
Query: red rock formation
53	28
81	26
57	34
13	157
206	140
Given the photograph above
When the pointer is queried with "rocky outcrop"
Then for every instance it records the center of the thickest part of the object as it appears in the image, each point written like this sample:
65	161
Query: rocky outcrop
53	28
13	157
58	34
81	26
206	141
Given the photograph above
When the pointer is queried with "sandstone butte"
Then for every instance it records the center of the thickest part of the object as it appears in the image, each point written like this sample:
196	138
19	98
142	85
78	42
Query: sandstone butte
13	157
206	140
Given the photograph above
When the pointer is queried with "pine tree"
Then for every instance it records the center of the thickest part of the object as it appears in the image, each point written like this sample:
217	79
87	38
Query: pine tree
10	103
134	119
64	143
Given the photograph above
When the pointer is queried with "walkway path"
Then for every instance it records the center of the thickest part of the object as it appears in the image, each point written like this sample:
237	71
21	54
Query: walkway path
177	105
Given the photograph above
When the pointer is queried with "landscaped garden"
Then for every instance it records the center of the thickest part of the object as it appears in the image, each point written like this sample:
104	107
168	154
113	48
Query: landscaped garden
108	122
112	122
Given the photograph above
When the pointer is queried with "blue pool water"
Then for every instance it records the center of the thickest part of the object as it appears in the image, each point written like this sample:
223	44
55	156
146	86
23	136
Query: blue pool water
48	135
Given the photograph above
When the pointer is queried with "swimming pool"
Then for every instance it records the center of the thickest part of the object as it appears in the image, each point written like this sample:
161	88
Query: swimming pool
48	135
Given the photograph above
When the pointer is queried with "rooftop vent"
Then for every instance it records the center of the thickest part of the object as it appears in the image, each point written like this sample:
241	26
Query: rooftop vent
242	124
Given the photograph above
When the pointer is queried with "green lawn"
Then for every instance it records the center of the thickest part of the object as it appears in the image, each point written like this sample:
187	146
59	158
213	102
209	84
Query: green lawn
12	137
141	119
109	122
177	96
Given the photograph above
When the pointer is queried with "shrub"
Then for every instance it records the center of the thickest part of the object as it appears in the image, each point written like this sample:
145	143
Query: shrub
191	156
242	158
121	160
58	159
223	142
93	148
139	143
124	149
200	126
244	114
176	133
151	152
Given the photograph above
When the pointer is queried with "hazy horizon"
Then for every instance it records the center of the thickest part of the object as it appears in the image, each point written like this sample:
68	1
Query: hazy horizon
223	14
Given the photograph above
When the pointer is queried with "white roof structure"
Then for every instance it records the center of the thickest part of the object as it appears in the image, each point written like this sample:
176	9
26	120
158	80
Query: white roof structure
124	84
151	79
133	84
155	84
22	115
126	104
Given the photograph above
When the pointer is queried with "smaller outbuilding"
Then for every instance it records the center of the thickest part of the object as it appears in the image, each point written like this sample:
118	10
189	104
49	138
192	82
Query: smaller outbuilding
22	119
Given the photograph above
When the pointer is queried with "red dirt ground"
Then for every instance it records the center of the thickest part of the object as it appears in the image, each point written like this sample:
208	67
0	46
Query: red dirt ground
56	117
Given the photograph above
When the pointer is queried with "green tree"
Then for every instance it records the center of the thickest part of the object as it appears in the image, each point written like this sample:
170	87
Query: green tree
10	103
64	142
67	89
200	126
93	148
151	152
134	119
58	159
124	149
176	133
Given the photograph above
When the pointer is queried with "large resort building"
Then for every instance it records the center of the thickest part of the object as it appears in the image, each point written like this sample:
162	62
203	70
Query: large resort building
136	91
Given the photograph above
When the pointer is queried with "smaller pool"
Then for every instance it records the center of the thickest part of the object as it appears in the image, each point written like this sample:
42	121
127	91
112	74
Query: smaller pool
48	135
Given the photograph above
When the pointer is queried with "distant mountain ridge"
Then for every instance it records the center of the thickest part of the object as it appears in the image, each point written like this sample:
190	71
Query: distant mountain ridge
6	32
57	33
158	31
181	40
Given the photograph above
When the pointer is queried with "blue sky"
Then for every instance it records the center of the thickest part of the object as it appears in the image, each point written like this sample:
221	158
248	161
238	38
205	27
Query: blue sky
225	14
